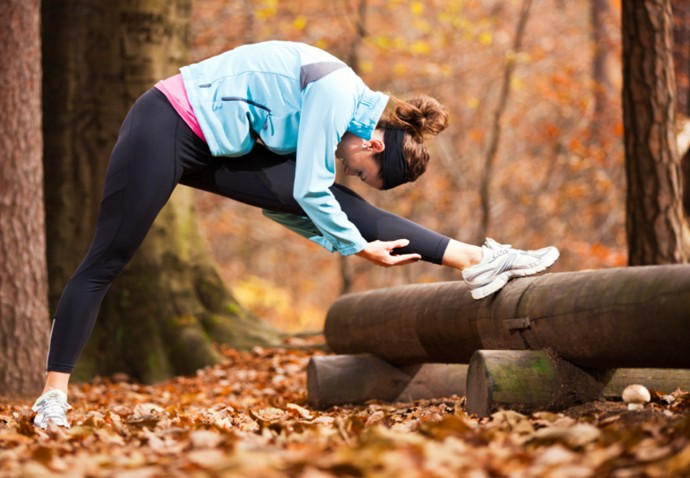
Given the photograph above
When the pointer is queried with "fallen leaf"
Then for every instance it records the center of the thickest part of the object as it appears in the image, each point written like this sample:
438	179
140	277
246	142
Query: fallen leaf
204	439
575	436
299	412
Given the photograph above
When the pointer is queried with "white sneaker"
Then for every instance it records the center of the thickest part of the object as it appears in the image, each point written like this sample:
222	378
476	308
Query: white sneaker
501	263
51	408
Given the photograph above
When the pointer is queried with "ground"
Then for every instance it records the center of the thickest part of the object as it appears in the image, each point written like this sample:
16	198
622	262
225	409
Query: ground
250	417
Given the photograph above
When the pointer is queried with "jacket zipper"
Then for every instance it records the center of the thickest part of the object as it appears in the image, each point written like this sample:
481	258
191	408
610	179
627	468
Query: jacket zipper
248	101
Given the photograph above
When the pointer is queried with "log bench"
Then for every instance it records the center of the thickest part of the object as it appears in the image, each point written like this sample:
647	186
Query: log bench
584	326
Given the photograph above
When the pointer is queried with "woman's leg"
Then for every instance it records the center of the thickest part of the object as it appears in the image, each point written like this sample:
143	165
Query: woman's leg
153	150
265	180
460	255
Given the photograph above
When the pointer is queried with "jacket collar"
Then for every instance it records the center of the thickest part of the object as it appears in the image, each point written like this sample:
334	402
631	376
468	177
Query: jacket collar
367	113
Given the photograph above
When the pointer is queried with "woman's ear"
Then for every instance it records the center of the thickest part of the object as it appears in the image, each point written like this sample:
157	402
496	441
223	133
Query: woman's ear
376	145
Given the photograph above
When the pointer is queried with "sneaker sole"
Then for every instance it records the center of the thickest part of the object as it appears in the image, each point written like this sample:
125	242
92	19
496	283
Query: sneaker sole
502	279
43	425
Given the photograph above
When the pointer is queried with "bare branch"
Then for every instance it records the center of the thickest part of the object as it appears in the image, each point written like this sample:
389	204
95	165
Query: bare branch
495	133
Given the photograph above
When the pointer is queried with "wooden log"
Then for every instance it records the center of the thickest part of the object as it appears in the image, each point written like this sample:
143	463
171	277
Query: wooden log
355	379
343	379
407	324
525	381
613	318
662	380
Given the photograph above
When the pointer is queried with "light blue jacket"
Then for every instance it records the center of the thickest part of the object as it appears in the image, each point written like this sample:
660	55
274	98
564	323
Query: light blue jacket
296	98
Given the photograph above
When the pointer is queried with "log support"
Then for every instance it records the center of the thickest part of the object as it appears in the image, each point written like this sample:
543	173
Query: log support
524	381
527	380
350	379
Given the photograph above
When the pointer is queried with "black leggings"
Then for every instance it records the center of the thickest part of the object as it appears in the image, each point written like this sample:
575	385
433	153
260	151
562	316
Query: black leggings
154	152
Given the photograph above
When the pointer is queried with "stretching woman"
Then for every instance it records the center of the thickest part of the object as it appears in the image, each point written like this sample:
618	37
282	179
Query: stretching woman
263	124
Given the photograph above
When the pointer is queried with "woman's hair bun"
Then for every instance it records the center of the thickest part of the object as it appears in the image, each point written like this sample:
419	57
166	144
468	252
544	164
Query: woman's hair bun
421	116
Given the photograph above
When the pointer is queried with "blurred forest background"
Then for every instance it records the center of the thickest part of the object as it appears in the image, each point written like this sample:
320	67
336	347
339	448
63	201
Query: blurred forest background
533	156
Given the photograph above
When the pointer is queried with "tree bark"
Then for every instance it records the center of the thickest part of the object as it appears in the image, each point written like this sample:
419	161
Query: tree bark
23	276
169	304
681	54
681	61
654	209
612	318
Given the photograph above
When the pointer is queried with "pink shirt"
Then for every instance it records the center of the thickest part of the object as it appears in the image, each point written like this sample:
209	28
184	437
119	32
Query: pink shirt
173	89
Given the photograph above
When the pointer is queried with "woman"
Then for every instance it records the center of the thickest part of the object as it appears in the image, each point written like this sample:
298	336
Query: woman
263	124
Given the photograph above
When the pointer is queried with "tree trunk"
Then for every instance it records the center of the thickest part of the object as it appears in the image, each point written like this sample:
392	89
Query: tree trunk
23	277
599	10
654	208
163	311
681	54
681	61
609	318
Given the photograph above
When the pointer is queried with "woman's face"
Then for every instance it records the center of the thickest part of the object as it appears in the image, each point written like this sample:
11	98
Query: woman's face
358	157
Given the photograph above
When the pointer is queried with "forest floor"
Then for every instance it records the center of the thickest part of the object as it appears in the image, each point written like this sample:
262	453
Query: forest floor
249	418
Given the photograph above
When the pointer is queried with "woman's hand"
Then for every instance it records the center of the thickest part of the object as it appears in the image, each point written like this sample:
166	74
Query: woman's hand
380	253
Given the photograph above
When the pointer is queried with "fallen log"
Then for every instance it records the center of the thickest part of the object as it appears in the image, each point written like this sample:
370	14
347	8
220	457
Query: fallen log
661	380
352	379
528	381
612	318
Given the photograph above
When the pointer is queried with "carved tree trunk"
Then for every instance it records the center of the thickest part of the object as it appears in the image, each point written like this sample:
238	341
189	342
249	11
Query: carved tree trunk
23	279
654	209
163	311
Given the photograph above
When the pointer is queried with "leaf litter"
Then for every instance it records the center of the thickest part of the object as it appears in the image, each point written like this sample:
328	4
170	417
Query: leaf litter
250	417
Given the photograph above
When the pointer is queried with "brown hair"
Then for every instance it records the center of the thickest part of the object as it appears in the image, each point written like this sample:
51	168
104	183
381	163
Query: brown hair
420	117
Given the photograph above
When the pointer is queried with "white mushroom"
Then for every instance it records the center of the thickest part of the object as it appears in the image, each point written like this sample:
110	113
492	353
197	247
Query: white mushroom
636	396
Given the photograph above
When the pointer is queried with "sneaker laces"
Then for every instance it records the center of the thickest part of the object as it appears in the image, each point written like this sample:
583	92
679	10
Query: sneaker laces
51	407
496	246
493	249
